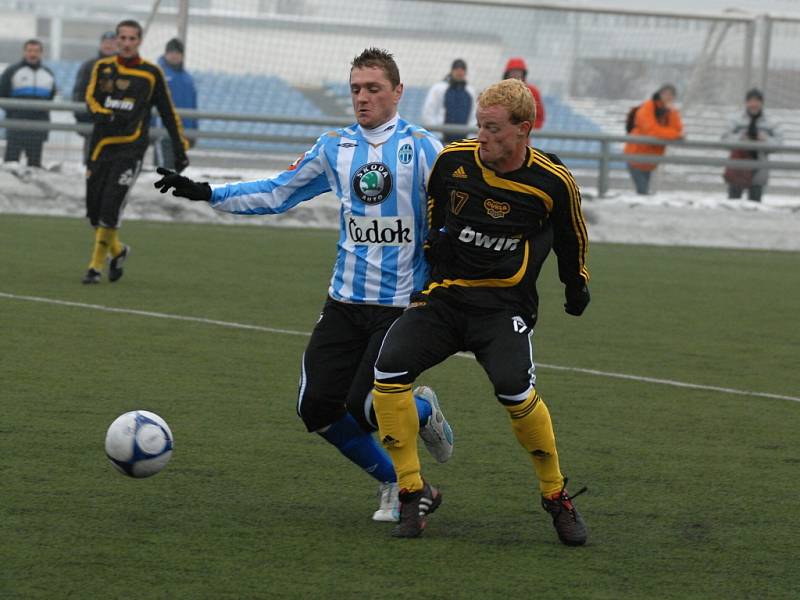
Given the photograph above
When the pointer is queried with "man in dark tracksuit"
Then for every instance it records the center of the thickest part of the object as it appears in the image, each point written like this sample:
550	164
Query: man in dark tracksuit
121	93
108	47
27	79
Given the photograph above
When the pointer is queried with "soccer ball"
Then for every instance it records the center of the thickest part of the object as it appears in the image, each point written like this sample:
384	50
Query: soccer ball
139	443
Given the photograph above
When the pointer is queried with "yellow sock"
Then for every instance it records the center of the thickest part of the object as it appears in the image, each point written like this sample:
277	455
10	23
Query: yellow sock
101	238
114	245
531	423
398	427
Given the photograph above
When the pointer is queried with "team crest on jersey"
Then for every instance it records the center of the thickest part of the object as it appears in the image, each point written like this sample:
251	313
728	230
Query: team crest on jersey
372	183
122	84
405	154
495	209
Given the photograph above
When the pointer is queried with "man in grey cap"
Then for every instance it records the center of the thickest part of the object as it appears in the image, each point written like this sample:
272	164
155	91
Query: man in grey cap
451	101
108	46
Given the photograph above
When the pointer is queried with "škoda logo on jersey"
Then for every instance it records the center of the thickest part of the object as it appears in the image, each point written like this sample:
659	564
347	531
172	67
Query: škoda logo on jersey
499	243
495	209
372	183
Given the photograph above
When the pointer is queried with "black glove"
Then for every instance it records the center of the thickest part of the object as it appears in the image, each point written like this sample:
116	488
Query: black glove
181	162
577	298
183	186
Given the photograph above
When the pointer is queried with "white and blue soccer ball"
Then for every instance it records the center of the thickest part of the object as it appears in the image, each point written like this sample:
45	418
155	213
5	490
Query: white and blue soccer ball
139	443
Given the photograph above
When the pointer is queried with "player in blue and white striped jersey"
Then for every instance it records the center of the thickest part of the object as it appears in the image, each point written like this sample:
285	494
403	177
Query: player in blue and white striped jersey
379	175
378	168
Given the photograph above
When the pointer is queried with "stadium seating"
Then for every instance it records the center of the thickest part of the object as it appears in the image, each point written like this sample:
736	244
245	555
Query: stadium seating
258	95
271	95
239	94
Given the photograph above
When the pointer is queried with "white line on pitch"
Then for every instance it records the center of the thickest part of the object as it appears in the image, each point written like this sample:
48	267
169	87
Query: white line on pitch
233	325
156	315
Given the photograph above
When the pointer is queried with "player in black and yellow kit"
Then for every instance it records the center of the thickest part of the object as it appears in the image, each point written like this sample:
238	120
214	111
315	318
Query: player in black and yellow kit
496	208
121	93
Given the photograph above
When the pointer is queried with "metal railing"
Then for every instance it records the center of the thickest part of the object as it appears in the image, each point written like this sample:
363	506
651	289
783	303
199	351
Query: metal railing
604	157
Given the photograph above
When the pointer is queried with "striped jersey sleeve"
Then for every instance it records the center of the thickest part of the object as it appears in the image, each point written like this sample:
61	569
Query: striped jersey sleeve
304	180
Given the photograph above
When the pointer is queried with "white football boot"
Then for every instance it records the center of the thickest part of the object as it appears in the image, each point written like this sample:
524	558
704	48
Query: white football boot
389	510
437	433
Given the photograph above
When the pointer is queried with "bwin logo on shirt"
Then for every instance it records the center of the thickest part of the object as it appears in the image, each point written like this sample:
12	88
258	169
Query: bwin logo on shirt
405	154
499	243
119	103
382	231
372	183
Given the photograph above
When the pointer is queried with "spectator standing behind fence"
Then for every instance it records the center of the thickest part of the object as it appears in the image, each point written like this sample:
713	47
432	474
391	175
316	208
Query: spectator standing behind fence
108	47
750	126
516	68
451	101
184	95
656	117
27	79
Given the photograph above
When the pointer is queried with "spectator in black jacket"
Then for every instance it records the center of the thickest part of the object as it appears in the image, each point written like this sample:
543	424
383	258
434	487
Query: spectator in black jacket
27	79
108	47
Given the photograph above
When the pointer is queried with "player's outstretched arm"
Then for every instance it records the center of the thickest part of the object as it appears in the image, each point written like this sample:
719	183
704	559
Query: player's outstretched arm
181	186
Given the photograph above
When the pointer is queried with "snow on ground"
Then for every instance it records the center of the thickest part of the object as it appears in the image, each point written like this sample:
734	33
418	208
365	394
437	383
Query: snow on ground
666	218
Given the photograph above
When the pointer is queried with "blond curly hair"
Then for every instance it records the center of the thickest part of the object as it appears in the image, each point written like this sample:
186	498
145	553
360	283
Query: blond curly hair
513	95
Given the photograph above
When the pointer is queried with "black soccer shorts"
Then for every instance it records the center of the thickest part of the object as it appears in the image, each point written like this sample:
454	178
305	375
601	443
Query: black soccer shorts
107	186
336	371
430	331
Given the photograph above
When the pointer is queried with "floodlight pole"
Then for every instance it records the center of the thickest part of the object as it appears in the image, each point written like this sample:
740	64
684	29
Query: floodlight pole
183	22
766	41
749	45
150	17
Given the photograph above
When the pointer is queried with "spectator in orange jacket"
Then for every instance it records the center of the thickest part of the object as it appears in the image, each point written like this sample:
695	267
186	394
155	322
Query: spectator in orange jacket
659	118
517	69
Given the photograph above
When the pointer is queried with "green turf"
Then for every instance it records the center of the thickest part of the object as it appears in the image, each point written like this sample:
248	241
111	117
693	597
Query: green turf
692	492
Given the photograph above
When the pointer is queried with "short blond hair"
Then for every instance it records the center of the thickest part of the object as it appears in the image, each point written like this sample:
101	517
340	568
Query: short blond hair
513	95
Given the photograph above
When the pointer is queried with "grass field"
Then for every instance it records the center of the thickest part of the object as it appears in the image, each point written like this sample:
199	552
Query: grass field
693	491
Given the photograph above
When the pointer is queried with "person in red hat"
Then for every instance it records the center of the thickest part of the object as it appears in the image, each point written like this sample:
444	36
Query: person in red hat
516	68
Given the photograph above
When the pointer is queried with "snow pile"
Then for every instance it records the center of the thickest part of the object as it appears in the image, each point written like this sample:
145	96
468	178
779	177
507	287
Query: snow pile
668	218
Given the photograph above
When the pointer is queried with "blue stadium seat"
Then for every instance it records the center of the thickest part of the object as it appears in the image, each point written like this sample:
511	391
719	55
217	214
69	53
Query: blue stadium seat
253	94
561	117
